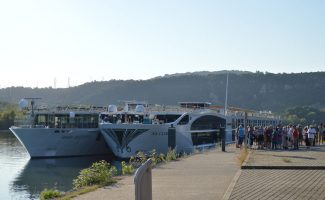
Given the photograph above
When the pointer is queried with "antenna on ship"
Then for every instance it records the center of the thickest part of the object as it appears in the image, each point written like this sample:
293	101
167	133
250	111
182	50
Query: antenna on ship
32	102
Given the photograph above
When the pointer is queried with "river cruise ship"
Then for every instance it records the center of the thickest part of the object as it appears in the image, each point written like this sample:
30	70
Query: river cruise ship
61	132
142	127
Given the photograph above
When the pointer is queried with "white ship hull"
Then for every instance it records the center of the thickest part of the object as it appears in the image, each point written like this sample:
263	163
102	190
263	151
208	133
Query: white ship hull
125	140
56	142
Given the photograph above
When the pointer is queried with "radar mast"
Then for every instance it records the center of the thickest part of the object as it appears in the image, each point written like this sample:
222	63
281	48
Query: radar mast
32	103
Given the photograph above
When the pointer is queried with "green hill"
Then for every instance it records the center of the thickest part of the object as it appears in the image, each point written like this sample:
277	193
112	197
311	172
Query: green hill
259	91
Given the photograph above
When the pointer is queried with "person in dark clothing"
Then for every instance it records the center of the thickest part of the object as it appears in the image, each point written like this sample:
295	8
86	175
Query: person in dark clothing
274	138
301	137
295	135
305	133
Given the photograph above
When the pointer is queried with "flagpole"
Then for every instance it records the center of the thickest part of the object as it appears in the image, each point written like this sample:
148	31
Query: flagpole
226	100
223	143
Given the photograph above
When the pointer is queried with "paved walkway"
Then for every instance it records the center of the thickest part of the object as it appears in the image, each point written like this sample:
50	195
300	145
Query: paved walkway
202	176
208	175
282	183
302	157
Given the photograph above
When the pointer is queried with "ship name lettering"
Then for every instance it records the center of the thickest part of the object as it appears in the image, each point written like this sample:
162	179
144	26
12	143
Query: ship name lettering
159	133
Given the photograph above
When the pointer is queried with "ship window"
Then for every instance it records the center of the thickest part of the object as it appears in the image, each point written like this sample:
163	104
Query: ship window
200	138
41	119
208	122
167	118
79	121
184	120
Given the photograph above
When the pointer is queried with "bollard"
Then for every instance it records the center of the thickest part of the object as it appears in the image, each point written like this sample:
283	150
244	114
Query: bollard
223	142
143	181
172	137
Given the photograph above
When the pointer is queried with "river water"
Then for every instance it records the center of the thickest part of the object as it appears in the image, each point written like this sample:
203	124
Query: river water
25	178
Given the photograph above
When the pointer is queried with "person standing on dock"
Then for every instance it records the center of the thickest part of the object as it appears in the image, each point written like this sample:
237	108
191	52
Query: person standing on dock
260	138
241	136
285	137
295	137
290	136
311	134
250	136
323	132
274	138
301	137
279	140
305	133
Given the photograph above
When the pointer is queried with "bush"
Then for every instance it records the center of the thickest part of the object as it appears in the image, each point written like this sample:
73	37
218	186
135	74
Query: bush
127	168
100	173
113	171
171	155
156	158
138	159
49	194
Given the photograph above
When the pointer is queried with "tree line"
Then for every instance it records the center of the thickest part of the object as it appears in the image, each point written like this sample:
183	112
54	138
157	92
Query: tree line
304	115
257	91
8	113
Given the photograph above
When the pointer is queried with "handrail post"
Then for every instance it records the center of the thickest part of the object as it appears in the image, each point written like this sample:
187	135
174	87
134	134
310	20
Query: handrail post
143	181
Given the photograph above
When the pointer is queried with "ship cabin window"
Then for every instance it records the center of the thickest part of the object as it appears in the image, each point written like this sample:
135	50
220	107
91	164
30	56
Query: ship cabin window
201	138
109	118
208	122
121	118
184	120
131	118
167	118
207	130
138	119
40	120
56	120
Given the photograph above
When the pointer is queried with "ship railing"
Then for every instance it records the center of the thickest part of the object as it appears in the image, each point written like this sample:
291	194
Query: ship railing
23	123
81	108
170	109
256	115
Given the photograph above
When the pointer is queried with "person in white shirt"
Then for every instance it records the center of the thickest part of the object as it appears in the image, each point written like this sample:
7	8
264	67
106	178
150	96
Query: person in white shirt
311	134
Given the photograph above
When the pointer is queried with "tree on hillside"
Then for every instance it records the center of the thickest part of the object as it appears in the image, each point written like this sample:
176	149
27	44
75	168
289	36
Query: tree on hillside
8	113
305	115
257	91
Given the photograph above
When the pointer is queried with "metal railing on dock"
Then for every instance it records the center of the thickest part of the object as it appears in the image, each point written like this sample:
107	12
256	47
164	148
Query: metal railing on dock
143	181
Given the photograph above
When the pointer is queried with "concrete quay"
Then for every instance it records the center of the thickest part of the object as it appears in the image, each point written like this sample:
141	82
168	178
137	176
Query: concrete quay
279	174
201	176
303	158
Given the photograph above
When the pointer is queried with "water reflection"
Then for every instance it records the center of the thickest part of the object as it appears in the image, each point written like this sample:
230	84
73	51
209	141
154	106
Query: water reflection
51	173
13	157
25	178
11	149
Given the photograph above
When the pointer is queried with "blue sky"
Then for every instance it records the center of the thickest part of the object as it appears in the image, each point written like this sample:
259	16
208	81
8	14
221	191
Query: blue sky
101	40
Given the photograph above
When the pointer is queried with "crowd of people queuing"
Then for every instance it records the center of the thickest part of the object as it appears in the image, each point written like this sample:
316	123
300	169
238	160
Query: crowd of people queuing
281	137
